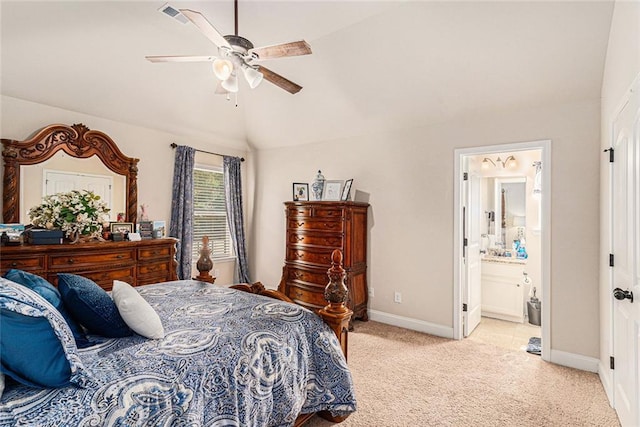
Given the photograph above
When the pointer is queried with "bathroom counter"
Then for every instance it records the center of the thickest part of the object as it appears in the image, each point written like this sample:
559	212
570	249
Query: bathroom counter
504	260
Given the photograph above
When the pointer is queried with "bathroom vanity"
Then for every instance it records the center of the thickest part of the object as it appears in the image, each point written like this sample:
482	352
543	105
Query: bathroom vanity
503	288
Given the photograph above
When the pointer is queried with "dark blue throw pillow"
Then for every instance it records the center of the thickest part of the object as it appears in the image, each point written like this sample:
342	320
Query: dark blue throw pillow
31	352
92	306
51	294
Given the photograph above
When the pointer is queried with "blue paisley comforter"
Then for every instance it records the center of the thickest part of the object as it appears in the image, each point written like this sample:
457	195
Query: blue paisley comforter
229	358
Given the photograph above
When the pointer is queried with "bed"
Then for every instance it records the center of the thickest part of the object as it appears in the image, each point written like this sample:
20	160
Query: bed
230	356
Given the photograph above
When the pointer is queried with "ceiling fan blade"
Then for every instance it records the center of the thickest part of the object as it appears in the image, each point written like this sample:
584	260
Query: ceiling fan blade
281	50
205	26
280	81
180	58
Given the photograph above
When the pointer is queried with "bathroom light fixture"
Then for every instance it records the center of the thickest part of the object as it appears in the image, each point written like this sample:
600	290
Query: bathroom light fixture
486	161
510	162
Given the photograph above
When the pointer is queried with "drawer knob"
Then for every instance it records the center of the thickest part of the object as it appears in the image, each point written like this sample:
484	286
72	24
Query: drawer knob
14	264
299	224
300	238
300	254
70	261
298	294
120	256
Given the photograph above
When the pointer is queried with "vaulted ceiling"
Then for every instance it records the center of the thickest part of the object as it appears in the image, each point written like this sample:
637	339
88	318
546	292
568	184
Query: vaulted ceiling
376	66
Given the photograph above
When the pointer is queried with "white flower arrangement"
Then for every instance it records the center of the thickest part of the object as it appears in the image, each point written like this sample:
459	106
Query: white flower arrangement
75	212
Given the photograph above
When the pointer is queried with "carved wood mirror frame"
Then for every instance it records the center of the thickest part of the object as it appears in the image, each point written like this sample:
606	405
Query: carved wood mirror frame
77	141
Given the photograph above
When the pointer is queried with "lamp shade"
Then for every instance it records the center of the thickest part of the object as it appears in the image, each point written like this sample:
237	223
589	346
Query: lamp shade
231	83
253	76
222	68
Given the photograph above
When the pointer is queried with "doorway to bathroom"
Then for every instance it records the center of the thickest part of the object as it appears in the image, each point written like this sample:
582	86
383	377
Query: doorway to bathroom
501	259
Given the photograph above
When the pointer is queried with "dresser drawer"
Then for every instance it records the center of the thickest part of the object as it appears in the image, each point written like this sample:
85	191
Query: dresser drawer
162	252
27	263
155	269
316	256
327	213
308	276
104	278
77	260
329	241
311	296
298	211
314	224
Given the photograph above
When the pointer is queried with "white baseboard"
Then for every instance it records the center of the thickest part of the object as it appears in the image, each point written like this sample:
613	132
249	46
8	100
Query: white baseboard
409	323
577	361
606	378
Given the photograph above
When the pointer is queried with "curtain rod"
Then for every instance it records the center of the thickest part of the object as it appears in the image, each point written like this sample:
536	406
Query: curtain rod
174	145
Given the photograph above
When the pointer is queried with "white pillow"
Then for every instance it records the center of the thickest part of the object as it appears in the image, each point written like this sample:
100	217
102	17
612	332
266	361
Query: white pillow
136	312
1	384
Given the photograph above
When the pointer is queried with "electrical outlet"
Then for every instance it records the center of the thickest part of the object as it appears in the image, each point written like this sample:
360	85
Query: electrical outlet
397	297
371	293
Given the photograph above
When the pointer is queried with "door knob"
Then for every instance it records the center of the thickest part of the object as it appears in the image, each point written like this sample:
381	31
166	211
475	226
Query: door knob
621	295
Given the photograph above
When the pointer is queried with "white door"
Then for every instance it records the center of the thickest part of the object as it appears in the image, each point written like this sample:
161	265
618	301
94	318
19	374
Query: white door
473	286
626	280
62	182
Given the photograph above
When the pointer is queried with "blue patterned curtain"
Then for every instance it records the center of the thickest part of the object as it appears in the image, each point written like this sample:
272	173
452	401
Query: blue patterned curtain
182	208
233	197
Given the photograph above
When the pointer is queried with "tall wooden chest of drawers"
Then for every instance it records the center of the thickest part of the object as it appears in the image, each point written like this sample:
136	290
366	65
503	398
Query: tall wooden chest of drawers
137	263
314	230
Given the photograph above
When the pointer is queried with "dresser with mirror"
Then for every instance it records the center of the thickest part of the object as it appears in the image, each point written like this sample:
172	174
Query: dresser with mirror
142	262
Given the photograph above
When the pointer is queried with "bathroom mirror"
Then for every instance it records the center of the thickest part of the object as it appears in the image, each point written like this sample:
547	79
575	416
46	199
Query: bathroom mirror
77	142
510	209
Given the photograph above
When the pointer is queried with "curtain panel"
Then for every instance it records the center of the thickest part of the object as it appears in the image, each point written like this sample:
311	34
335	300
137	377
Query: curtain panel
233	197
182	208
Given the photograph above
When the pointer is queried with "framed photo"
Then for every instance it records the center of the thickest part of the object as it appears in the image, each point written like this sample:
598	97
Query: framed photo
331	190
346	190
121	227
300	192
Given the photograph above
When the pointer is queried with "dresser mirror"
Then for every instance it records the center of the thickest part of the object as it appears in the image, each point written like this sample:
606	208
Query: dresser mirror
66	152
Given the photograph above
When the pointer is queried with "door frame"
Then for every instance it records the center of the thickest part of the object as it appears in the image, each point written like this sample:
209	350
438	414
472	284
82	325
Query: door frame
458	265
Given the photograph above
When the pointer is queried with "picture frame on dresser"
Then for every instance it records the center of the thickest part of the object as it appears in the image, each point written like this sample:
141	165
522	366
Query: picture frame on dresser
300	191
121	227
332	190
346	190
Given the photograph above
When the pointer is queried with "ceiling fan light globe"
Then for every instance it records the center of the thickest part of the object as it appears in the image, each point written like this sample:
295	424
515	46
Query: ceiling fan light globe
230	84
222	68
253	77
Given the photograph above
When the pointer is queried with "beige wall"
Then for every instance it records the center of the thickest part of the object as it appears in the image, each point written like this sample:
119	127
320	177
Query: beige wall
621	68
155	169
408	174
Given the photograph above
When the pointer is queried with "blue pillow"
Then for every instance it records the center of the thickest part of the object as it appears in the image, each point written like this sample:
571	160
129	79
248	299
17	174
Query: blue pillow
36	344
92	306
51	294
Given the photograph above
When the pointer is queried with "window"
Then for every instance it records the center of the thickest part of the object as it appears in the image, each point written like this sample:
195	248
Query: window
210	212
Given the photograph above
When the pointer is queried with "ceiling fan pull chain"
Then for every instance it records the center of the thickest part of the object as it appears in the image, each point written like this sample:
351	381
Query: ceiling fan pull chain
236	99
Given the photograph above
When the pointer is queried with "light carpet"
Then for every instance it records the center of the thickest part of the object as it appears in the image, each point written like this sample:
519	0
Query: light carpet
407	378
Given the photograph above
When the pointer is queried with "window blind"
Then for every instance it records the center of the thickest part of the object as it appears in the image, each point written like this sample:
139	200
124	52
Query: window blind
210	212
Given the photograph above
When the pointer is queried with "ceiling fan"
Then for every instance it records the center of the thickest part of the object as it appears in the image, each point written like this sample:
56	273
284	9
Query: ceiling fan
237	54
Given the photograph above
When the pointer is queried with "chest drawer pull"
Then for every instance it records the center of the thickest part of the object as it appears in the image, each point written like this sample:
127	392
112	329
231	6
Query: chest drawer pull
299	224
299	294
70	261
120	256
299	238
300	254
14	264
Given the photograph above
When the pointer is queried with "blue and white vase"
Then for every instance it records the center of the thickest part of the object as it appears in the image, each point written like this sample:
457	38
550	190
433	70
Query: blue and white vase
318	186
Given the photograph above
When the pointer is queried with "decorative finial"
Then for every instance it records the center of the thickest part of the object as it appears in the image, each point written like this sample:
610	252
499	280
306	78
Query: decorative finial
336	291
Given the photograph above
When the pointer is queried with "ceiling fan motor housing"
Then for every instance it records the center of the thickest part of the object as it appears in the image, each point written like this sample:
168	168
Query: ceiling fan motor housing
239	43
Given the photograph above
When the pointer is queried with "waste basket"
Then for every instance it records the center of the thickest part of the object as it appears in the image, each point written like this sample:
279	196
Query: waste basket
533	309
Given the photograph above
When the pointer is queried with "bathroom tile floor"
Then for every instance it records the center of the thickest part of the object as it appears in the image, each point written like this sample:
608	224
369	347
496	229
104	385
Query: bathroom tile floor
501	333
